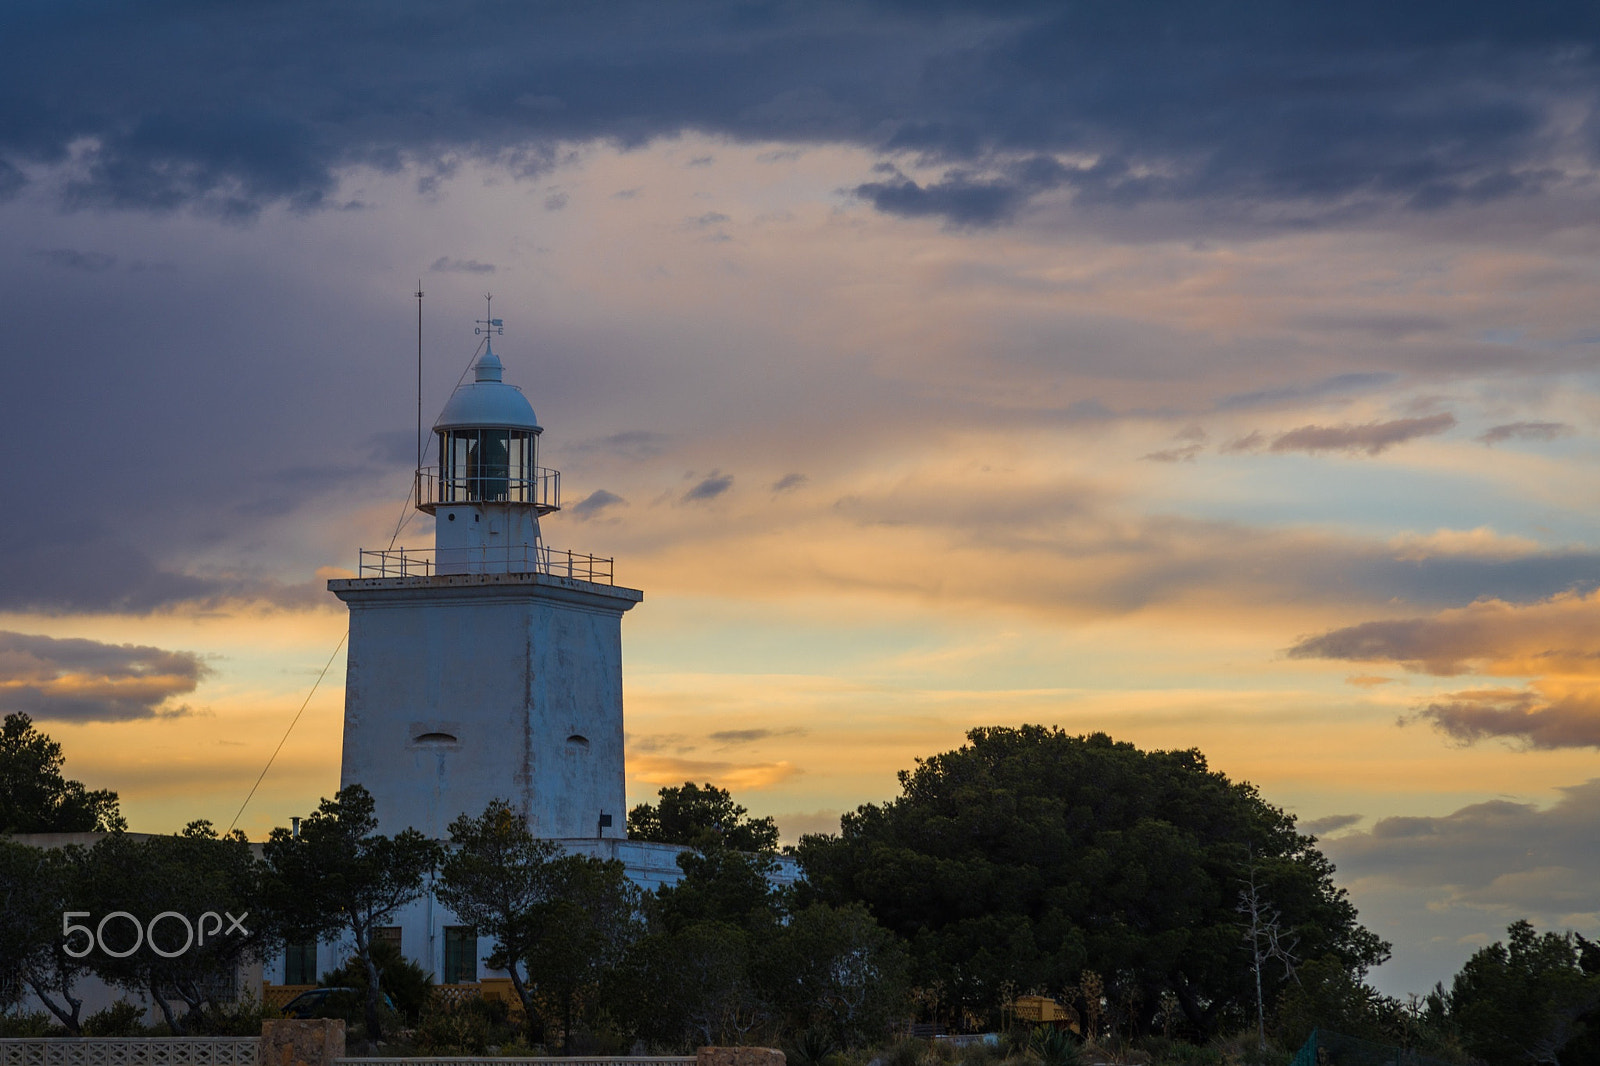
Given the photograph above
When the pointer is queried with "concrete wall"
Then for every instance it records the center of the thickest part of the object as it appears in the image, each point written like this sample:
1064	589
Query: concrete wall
467	688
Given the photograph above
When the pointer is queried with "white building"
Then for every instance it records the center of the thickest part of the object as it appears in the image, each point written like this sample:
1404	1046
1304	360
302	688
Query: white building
490	667
487	667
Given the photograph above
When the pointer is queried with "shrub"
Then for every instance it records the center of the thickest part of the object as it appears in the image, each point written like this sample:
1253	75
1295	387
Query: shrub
1055	1047
120	1019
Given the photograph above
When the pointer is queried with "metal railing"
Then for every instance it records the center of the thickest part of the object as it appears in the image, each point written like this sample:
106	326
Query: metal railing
130	1051
506	559
543	489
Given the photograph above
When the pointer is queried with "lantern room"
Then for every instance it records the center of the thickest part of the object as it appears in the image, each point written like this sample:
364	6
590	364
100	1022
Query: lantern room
488	491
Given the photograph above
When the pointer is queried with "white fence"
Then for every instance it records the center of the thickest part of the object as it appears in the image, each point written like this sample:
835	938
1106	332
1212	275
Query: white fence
130	1051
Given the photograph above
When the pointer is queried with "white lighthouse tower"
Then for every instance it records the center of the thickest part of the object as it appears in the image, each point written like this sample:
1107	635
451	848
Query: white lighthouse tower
491	665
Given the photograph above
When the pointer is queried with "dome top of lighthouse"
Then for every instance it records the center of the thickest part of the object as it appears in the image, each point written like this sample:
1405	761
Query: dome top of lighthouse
487	400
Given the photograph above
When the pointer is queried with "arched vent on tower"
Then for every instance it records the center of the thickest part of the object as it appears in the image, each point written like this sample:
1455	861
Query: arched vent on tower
435	738
578	741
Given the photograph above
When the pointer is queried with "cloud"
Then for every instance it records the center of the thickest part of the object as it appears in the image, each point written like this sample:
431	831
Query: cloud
1250	442
670	770
1338	384
1514	859
1184	454
650	743
1195	438
796	824
1008	104
595	503
1382	326
445	265
788	482
1556	635
631	444
78	570
1372	438
709	488
1330	824
1525	431
1555	641
79	680
736	737
72	259
1567	719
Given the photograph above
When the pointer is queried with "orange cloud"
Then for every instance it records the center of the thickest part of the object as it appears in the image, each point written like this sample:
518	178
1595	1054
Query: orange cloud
668	770
1556	642
1559	636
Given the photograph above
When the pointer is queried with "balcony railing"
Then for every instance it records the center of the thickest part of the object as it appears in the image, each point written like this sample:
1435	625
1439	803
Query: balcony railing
503	559
543	489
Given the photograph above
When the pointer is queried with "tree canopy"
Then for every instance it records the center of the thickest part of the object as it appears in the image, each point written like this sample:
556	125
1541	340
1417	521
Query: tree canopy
1531	999
36	798
701	817
339	875
1029	856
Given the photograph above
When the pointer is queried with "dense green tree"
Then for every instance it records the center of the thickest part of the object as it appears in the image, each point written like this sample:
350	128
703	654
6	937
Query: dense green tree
579	937
694	986
338	876
701	817
1029	855
36	798
37	887
1523	1001
722	885
835	971
493	878
209	887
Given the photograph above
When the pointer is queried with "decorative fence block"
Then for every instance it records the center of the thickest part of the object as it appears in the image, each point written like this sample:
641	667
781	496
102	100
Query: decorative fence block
130	1051
487	1060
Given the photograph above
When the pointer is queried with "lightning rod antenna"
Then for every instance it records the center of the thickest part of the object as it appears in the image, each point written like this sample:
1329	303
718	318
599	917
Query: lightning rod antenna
419	377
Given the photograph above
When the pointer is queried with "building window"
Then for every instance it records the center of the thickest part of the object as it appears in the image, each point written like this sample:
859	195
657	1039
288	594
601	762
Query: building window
460	955
300	963
387	934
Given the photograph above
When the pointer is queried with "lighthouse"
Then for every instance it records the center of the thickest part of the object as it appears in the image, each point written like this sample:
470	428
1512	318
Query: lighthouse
489	666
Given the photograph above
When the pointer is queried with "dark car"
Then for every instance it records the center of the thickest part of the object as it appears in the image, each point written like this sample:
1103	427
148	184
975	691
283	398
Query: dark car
314	1003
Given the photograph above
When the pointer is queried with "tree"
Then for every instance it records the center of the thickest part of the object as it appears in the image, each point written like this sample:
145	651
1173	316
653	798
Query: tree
340	876
1522	1001
1029	855
37	887
212	889
722	885
1263	931
701	817
36	798
837	972
695	987
579	936
493	878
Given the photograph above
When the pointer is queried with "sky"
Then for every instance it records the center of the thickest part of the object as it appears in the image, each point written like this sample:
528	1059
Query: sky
1215	376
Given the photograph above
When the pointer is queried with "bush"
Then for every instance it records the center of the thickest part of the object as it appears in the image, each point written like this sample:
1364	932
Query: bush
409	985
455	1029
38	1023
243	1018
1055	1047
120	1019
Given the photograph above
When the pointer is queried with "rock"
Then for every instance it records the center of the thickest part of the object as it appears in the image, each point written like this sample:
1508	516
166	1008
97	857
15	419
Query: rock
720	1056
301	1042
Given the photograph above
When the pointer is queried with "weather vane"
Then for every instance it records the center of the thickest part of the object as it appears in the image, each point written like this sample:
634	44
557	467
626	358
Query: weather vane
489	324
